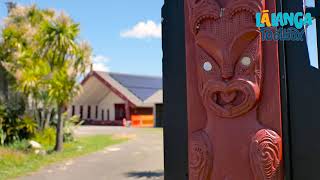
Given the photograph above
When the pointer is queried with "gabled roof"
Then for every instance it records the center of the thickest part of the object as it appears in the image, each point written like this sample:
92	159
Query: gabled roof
138	89
141	86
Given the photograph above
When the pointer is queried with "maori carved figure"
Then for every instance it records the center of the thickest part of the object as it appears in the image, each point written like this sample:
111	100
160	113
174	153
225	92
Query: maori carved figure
225	46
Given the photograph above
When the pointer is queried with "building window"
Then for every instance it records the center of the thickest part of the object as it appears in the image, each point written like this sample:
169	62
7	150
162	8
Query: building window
89	112
81	112
102	115
108	115
97	110
73	110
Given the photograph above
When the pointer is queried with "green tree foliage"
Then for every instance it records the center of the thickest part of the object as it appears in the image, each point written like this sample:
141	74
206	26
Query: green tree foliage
18	54
42	51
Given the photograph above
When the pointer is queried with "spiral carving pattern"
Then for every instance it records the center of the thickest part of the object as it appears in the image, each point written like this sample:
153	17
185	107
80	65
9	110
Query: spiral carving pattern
265	153
200	156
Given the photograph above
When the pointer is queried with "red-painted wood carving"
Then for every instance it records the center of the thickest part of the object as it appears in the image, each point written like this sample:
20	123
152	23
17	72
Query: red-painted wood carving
233	93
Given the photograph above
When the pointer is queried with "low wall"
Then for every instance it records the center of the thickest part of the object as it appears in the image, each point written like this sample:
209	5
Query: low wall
103	123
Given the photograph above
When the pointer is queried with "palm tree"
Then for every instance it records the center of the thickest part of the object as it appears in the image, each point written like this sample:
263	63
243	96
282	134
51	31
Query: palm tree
17	54
62	89
67	59
31	81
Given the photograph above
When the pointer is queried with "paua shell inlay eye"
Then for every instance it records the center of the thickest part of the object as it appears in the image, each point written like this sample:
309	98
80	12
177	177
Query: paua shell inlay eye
246	61
207	66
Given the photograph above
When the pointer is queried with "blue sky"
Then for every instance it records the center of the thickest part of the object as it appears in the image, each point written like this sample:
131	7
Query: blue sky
311	35
125	34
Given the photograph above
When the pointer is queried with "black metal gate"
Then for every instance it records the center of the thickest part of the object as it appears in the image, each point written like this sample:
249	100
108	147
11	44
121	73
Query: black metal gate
300	77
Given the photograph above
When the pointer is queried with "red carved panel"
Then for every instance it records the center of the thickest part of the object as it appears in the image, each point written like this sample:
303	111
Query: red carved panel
233	92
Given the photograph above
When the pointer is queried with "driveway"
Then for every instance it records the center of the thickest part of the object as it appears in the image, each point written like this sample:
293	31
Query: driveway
138	159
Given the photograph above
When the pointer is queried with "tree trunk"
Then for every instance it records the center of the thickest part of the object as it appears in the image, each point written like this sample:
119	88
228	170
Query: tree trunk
3	83
59	133
45	114
6	89
48	117
36	112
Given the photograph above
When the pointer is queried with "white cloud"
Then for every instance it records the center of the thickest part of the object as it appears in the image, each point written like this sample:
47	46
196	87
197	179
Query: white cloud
100	63
142	30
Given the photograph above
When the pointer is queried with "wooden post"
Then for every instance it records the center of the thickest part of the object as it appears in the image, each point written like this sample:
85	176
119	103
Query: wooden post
127	109
174	87
234	112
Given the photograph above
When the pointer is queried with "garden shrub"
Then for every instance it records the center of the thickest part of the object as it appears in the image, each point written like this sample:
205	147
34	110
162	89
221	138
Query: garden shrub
13	125
21	145
46	138
69	127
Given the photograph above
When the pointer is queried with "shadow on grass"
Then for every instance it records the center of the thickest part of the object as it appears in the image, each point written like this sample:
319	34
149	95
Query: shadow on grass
146	174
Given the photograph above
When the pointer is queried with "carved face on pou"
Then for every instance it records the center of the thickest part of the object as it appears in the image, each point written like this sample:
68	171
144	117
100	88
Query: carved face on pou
228	54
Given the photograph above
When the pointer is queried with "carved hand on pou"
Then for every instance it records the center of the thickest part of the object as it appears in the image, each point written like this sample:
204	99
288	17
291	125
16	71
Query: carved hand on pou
266	155
201	158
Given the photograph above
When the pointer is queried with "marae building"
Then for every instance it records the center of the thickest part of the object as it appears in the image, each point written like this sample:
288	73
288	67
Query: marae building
109	98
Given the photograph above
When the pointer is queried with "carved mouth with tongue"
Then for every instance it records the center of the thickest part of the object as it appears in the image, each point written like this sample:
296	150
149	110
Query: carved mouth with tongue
232	99
228	99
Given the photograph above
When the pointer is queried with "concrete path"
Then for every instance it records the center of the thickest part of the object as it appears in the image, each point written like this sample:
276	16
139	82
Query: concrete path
139	159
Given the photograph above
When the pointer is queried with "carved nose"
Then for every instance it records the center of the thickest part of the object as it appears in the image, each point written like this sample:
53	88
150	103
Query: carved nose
227	74
227	70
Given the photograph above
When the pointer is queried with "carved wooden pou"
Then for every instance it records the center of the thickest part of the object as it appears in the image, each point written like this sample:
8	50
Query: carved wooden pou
233	93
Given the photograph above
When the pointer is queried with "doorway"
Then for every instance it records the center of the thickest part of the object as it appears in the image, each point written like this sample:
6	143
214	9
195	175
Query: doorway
120	112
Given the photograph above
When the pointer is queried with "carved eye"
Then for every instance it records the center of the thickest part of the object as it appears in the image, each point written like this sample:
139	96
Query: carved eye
246	61
207	66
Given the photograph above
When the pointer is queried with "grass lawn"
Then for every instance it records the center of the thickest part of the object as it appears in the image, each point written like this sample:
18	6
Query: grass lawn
15	163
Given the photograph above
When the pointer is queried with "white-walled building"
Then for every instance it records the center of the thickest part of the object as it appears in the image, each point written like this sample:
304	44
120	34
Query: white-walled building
108	98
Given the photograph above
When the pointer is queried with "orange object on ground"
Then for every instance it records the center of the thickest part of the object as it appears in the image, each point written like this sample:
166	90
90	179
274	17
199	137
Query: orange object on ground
142	121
